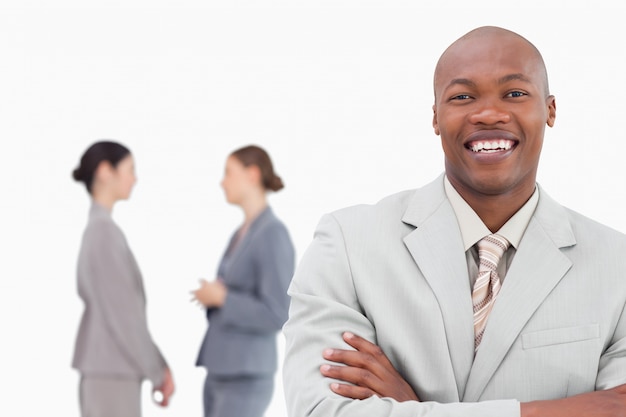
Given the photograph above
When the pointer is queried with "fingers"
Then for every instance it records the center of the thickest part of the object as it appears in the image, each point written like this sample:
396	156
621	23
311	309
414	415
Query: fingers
351	391
203	283
163	394
368	369
195	298
166	399
202	295
168	390
349	374
366	366
353	358
365	382
365	346
366	356
357	342
196	294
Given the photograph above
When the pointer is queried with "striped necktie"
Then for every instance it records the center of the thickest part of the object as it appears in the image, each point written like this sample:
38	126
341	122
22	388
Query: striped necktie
487	285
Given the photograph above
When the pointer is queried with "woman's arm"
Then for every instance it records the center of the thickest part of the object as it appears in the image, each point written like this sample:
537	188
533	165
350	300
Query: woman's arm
118	295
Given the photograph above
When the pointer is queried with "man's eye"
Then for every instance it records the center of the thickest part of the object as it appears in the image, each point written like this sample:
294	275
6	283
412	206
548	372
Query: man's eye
461	97
516	94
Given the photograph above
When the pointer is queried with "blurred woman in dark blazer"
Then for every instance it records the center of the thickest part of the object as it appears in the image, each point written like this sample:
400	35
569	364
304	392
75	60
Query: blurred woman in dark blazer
247	304
114	352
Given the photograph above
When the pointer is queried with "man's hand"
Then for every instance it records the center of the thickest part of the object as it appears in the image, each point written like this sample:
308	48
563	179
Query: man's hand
368	368
210	294
371	372
166	389
608	403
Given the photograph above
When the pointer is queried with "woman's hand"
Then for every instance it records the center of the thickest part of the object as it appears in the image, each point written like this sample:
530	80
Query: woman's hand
166	389
210	294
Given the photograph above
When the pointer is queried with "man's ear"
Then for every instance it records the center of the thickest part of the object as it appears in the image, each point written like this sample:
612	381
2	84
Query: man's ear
551	102
435	123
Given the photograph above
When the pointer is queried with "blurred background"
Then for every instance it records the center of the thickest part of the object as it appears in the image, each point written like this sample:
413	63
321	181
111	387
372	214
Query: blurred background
338	91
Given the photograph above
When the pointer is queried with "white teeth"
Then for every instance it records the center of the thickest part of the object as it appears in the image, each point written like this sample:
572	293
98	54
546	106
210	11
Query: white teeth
490	146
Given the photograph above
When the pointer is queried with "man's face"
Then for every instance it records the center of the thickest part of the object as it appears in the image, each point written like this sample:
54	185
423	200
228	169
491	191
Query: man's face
491	108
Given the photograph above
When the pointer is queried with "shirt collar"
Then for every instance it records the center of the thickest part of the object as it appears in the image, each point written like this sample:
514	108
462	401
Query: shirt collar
472	227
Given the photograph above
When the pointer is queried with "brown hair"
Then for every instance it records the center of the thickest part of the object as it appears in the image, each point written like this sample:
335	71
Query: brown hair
255	155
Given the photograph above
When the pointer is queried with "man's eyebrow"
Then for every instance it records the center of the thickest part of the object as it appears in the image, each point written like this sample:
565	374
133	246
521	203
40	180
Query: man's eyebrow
469	83
514	77
462	81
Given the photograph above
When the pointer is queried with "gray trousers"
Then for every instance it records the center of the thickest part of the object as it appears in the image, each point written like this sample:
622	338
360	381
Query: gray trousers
237	396
108	397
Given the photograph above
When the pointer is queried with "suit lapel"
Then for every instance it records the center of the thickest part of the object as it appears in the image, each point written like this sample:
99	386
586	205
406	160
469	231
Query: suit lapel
437	248
256	224
537	268
232	253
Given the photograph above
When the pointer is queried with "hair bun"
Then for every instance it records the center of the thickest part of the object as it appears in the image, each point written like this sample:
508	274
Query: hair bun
76	174
276	183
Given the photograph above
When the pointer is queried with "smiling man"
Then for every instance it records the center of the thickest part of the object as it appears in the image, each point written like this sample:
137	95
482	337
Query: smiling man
475	295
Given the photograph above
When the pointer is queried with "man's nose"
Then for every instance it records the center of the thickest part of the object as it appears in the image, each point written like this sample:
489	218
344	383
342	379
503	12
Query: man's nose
490	113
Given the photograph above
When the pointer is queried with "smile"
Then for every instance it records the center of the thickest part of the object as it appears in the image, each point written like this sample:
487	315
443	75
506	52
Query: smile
490	146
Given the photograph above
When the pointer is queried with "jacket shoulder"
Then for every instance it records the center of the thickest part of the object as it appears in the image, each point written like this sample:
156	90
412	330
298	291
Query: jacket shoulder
103	231
391	207
590	229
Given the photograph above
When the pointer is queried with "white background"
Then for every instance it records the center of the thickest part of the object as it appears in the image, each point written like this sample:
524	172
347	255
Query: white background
339	92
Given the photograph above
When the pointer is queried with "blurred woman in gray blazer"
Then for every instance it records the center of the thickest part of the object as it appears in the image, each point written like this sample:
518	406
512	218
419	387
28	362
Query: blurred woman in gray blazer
114	351
247	304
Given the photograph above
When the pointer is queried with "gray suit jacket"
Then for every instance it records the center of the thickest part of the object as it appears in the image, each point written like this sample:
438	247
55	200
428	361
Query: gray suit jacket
113	337
396	273
241	339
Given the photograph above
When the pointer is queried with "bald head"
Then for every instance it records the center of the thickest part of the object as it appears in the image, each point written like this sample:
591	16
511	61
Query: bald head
486	43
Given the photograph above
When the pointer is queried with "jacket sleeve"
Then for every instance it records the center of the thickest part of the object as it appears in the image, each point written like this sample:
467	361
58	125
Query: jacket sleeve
612	367
119	296
324	304
267	309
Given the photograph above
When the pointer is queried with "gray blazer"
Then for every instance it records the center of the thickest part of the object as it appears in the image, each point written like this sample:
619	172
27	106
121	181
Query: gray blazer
241	339
113	337
396	273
